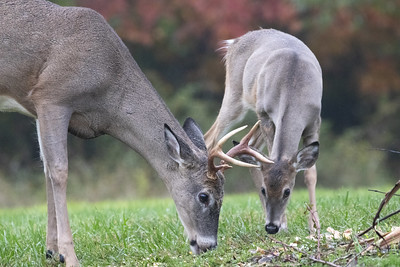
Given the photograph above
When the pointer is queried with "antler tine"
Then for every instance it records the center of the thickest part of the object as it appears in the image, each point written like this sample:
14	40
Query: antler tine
236	162
217	152
229	135
243	147
248	136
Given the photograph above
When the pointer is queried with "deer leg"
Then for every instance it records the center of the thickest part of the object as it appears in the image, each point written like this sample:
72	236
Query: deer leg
231	112
53	130
51	236
310	178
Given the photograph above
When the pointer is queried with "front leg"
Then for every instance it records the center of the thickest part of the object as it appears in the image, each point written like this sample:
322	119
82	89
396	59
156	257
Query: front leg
51	233
53	129
310	178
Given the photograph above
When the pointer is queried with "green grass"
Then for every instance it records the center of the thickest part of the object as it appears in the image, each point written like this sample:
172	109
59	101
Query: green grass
149	233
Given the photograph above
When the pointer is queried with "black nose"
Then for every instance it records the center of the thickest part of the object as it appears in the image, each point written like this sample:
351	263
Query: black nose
198	249
271	228
213	246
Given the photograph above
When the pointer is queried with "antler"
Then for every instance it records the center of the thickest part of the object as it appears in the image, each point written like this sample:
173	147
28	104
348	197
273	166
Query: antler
241	148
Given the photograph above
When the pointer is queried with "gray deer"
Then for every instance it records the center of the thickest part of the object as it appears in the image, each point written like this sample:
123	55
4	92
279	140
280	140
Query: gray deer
280	79
68	69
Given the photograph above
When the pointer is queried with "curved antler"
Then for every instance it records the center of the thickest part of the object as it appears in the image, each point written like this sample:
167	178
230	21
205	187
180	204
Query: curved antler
241	148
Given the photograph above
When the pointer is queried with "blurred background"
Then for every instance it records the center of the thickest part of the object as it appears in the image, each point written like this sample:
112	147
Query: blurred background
357	43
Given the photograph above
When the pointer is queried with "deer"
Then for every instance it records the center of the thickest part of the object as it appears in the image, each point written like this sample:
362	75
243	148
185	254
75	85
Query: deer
67	69
275	75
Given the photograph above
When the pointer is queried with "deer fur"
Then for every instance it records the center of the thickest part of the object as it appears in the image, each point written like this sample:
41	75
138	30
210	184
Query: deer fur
68	69
279	78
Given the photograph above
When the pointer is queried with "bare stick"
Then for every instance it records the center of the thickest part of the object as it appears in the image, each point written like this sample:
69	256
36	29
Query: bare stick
387	150
379	220
377	191
387	198
303	252
368	248
342	258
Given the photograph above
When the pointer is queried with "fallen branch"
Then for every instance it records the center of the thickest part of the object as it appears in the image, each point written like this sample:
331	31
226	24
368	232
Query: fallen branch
351	262
392	237
388	196
286	246
378	221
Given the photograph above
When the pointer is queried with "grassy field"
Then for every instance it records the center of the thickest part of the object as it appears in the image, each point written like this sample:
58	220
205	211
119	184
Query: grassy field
149	233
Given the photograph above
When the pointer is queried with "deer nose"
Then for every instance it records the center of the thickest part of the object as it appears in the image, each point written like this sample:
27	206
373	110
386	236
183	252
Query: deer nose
202	247
271	228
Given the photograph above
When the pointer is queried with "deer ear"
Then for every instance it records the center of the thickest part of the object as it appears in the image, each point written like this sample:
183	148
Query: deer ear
306	157
178	150
192	129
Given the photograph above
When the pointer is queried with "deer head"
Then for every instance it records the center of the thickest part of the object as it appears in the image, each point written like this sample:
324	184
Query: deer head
198	195
198	199
276	181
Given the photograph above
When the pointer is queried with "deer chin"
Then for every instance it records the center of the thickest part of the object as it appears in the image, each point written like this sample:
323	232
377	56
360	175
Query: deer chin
202	244
198	243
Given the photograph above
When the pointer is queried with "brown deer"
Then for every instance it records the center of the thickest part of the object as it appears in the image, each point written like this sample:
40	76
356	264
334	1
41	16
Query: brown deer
68	69
280	79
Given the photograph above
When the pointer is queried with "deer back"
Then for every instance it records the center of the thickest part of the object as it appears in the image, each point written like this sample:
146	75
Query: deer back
70	57
277	76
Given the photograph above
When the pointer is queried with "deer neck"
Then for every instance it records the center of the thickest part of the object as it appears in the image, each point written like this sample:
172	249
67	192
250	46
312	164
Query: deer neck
286	141
138	119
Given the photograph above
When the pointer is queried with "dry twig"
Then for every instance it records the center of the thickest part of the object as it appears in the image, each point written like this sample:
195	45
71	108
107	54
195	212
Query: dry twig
387	198
378	221
381	192
382	241
286	246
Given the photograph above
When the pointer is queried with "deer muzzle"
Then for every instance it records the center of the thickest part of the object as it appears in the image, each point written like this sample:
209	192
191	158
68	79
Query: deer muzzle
202	244
271	228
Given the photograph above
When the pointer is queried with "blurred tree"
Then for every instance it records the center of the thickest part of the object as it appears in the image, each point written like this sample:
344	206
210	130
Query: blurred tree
175	43
357	44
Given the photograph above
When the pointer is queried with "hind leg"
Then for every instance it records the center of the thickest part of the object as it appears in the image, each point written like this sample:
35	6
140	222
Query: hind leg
310	179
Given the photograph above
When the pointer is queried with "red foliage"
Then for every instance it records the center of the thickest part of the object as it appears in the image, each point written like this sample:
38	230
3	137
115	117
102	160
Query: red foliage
145	21
369	31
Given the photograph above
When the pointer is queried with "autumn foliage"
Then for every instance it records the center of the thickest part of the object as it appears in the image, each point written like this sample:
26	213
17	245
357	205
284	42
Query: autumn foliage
175	42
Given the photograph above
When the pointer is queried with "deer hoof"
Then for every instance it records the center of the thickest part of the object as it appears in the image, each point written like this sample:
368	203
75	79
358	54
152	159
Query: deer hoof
49	254
62	259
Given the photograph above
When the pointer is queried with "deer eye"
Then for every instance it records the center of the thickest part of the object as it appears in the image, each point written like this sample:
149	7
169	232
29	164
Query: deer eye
263	191
203	198
286	193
